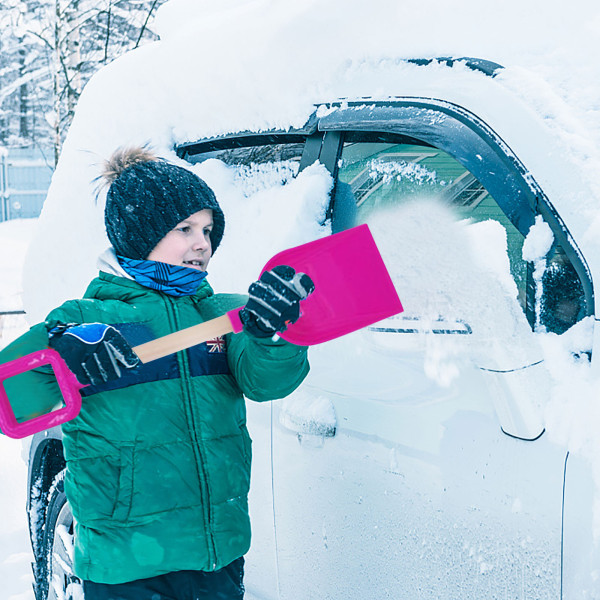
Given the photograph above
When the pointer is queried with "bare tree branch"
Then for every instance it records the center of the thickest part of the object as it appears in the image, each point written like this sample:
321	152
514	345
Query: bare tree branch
65	42
107	30
143	29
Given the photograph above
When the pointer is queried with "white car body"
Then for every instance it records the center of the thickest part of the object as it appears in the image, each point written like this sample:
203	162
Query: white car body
421	458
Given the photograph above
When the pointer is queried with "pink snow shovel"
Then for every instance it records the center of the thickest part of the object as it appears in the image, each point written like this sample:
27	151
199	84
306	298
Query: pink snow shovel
352	290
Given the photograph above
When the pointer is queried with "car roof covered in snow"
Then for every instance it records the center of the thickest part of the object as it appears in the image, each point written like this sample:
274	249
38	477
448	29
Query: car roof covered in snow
255	66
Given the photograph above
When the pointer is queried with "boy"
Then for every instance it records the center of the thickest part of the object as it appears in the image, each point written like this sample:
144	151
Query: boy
158	460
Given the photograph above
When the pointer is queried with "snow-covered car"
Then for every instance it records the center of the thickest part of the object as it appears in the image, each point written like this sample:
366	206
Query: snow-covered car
439	454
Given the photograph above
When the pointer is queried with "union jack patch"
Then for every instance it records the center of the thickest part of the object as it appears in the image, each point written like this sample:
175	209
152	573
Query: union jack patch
216	345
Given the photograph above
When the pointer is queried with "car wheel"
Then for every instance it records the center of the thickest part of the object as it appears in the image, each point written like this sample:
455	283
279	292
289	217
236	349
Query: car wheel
59	581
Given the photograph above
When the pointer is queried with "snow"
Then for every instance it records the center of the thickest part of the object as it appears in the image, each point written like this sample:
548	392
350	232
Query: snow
536	246
401	170
256	65
15	551
462	274
313	415
15	237
538	242
247	85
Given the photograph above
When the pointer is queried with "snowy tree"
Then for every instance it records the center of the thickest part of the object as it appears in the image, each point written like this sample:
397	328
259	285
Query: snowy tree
15	76
48	51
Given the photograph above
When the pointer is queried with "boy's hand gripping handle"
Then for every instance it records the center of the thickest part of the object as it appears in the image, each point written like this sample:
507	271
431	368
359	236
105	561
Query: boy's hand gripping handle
273	303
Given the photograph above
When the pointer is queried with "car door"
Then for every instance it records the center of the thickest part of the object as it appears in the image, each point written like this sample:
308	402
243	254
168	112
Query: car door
413	462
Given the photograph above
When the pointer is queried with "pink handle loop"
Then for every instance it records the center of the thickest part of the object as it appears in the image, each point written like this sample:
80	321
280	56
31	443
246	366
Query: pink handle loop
68	384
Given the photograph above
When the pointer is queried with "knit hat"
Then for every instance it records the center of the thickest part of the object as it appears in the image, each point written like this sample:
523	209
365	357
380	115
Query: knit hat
148	197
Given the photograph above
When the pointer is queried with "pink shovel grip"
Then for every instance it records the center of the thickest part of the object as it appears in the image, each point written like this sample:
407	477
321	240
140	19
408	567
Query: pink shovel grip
69	387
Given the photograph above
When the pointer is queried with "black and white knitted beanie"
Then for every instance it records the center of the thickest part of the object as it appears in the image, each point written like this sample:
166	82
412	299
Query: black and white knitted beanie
148	197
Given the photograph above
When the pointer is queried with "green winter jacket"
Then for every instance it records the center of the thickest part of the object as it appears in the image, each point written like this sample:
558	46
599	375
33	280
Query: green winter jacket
158	461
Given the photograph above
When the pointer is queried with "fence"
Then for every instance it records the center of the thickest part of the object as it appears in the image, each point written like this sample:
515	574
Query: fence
12	325
24	179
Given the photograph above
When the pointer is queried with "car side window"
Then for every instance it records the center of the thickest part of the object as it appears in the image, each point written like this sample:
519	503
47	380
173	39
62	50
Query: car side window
251	155
379	171
257	166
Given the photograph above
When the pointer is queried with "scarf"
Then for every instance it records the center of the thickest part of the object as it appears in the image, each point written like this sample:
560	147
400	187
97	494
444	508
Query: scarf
170	279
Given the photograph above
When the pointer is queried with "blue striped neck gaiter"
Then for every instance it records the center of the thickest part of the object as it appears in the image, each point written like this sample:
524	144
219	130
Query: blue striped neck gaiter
170	279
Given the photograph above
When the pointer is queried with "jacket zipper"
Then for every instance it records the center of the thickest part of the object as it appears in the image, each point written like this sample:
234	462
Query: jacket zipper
182	361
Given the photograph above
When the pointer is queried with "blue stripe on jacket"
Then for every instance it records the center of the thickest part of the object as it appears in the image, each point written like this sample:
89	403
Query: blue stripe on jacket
208	358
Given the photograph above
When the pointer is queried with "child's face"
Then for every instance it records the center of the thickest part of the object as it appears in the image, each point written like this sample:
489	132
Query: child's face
188	244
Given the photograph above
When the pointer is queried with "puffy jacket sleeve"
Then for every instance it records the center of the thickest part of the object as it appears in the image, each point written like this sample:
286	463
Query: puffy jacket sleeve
264	369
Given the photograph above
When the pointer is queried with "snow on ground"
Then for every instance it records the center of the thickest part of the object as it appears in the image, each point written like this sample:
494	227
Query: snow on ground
15	552
14	240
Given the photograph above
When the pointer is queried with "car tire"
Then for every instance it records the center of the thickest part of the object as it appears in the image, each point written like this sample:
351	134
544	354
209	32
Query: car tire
57	580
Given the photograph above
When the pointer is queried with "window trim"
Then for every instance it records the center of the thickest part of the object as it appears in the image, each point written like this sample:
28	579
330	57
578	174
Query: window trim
421	119
245	139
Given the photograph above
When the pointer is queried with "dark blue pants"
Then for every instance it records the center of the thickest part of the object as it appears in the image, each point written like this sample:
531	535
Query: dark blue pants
224	584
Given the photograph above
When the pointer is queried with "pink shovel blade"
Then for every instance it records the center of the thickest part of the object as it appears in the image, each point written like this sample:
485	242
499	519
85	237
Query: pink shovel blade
353	288
67	382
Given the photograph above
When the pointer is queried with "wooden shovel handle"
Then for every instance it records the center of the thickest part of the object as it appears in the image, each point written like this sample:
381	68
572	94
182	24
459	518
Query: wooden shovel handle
190	336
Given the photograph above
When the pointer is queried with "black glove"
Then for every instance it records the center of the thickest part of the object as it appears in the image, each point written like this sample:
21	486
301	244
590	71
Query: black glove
93	351
275	301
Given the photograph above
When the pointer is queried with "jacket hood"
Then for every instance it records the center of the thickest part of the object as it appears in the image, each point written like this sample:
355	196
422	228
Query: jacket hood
109	263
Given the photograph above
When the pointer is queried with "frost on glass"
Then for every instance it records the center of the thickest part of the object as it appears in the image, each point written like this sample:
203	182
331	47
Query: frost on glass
563	301
451	248
256	177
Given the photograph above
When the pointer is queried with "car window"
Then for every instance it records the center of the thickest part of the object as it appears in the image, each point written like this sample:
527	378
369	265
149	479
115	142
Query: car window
251	155
257	166
382	172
